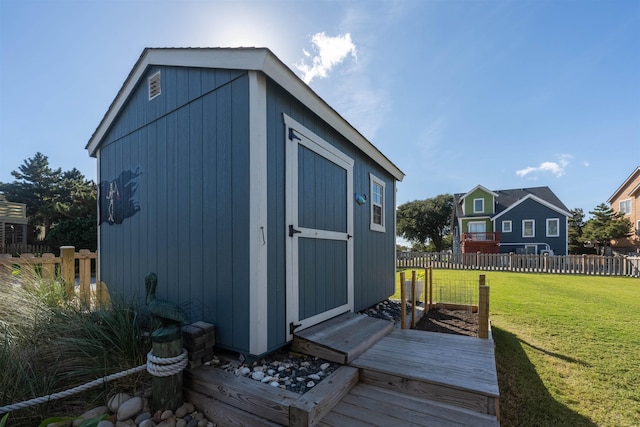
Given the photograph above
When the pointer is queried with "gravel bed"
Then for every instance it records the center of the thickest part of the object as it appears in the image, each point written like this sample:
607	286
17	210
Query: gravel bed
387	310
288	370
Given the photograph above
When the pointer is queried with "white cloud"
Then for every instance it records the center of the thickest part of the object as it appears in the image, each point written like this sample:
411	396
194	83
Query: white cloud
557	168
330	52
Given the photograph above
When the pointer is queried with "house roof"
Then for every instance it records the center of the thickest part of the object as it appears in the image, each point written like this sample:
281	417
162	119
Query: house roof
485	189
632	191
507	199
251	59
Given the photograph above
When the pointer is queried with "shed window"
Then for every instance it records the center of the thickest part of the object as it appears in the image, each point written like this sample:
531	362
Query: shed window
625	206
506	226
553	227
377	203
478	205
528	228
154	86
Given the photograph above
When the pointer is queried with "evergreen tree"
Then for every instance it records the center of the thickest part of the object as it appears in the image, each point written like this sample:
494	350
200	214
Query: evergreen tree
55	199
576	222
604	226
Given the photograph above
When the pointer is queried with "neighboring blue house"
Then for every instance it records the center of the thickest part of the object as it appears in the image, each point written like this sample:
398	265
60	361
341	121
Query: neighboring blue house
258	206
525	220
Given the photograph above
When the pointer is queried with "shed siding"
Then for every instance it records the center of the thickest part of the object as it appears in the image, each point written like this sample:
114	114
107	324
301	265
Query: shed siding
374	252
530	209
191	148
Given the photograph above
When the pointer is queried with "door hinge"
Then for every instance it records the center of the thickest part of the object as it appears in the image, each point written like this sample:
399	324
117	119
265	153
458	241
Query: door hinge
293	231
293	327
292	135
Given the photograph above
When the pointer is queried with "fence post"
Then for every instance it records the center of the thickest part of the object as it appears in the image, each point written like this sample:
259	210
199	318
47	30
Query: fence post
403	299
413	299
430	287
67	269
483	308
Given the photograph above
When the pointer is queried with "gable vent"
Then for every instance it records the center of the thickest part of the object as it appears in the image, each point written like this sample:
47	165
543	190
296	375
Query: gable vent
154	85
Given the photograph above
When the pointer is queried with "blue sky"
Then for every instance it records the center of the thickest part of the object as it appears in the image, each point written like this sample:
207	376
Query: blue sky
505	94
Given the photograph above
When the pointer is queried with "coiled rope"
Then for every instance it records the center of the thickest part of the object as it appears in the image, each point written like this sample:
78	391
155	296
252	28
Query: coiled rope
166	366
156	366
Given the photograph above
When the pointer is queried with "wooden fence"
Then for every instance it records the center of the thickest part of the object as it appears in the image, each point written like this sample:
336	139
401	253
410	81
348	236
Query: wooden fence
559	264
71	267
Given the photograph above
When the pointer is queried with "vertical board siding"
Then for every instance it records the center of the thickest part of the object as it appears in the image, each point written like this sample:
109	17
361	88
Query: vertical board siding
332	293
191	146
374	252
321	193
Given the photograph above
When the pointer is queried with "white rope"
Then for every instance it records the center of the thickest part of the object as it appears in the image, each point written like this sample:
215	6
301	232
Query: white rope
166	366
67	393
156	366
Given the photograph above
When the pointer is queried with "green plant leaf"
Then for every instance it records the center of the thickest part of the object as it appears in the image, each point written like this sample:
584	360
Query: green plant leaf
3	421
51	420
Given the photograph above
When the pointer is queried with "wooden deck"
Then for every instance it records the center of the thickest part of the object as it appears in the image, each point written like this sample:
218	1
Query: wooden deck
391	377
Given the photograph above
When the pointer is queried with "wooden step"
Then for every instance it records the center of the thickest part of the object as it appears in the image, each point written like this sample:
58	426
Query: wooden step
237	400
368	405
451	369
341	339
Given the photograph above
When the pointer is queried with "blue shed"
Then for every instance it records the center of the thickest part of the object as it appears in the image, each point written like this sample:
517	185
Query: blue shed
258	206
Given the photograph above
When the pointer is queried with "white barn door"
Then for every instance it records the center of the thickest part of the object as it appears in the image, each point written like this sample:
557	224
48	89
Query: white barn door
319	215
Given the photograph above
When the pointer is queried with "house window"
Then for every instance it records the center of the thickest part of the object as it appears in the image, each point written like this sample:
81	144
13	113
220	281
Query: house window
530	249
638	228
478	205
625	206
553	227
528	228
506	226
377	203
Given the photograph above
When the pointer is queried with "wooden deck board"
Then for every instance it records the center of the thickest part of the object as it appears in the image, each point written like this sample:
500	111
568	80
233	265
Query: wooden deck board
373	406
465	364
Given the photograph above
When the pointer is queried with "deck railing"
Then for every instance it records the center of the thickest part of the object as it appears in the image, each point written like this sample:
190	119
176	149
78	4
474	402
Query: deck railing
558	264
73	268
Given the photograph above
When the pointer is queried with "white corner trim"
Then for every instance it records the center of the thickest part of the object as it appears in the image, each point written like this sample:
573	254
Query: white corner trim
258	283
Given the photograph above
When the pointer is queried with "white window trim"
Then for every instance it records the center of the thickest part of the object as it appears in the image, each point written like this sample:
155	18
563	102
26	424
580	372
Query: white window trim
626	201
474	206
504	229
533	228
377	227
557	220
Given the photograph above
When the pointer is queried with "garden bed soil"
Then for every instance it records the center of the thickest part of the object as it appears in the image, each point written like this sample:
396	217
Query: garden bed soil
459	322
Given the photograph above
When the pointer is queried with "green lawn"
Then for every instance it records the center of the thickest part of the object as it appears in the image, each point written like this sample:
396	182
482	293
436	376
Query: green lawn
567	348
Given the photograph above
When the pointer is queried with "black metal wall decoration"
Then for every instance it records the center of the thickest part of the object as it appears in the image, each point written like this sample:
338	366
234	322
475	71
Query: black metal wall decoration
117	197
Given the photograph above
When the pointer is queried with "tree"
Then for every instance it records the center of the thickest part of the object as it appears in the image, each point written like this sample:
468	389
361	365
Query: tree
56	199
37	186
605	226
426	221
576	223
